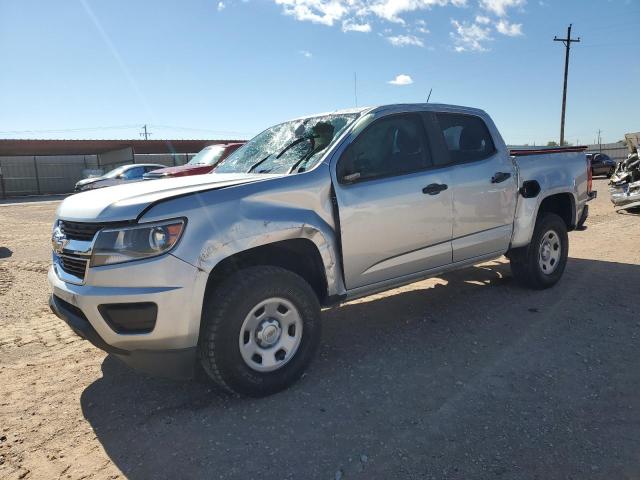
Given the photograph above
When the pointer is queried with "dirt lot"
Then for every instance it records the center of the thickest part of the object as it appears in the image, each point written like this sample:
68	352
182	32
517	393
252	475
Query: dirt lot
464	376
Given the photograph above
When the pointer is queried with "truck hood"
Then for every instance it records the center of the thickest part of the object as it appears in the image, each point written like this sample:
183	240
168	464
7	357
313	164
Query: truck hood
87	181
128	201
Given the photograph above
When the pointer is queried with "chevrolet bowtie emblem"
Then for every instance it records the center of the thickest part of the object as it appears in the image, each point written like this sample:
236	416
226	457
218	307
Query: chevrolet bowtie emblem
58	240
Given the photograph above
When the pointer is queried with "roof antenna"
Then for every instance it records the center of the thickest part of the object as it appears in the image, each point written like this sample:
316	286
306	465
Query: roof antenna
355	87
430	90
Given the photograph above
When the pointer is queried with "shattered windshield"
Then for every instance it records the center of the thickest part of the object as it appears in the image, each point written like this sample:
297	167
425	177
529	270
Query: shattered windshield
290	147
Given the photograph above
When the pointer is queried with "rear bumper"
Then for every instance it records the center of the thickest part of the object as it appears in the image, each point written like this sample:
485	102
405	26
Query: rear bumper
621	197
177	364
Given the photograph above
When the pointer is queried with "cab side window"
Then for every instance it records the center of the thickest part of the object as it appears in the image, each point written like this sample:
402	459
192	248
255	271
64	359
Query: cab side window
390	146
466	136
133	173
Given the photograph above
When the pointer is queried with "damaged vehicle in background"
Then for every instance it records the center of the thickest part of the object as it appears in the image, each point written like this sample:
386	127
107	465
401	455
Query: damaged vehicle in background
624	186
117	176
203	162
230	270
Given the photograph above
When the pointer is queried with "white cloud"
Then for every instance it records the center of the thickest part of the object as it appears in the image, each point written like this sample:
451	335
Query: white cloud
364	15
306	53
469	37
325	12
349	26
405	40
401	79
328	12
500	7
509	29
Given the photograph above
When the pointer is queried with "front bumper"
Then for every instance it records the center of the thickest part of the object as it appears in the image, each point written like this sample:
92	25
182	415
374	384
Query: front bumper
178	364
174	286
625	195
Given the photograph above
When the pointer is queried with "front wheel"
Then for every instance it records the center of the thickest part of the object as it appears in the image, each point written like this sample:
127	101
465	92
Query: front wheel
541	264
261	328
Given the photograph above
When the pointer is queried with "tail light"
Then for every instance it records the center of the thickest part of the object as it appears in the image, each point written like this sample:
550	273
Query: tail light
589	177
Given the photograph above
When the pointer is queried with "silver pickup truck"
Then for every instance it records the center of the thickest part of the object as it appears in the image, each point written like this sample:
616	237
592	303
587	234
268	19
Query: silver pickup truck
229	271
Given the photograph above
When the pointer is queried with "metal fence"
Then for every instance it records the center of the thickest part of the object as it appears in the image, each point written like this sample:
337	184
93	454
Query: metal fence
40	175
616	151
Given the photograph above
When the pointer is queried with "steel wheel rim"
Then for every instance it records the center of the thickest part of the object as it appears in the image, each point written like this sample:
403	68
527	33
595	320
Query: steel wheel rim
549	252
270	335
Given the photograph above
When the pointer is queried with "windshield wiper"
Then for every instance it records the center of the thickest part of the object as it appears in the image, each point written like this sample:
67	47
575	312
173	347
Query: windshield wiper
282	152
257	164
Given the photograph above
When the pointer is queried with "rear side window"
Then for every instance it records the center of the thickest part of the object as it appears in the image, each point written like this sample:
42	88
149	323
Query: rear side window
390	146
466	136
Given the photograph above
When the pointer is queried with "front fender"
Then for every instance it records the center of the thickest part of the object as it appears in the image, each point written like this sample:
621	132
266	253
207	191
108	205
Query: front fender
229	221
261	233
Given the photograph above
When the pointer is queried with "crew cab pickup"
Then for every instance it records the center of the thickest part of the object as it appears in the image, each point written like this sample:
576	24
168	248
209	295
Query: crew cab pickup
229	270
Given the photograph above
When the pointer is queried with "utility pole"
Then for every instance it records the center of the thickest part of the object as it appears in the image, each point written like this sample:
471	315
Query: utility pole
600	139
567	44
144	133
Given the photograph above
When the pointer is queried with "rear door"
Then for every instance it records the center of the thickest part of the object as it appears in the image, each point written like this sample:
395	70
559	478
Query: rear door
484	186
394	206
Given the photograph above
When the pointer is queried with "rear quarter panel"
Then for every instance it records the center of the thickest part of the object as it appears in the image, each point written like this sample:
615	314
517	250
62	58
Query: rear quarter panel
556	173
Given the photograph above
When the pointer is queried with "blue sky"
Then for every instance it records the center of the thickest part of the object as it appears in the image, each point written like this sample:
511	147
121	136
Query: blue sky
211	69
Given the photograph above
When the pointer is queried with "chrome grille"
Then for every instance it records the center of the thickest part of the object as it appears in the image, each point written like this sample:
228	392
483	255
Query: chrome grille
80	231
75	265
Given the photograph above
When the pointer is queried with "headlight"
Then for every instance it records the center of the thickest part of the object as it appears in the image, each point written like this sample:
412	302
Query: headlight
125	244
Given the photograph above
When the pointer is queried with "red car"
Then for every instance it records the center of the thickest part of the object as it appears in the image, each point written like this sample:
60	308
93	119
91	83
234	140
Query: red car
205	161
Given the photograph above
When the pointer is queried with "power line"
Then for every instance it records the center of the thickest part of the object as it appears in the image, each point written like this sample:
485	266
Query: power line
567	44
63	130
193	129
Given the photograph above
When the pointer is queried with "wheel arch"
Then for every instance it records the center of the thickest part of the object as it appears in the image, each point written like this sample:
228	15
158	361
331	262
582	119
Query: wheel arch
562	204
559	201
298	255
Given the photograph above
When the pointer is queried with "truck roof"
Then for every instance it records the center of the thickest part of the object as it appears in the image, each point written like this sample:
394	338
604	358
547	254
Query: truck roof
399	107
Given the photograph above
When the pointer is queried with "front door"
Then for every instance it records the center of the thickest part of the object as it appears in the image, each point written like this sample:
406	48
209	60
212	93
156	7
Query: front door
394	207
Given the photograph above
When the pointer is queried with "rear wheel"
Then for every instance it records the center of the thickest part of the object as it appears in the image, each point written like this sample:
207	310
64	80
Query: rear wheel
611	172
261	328
541	264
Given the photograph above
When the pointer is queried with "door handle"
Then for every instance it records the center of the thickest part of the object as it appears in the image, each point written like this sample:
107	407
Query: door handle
434	188
500	177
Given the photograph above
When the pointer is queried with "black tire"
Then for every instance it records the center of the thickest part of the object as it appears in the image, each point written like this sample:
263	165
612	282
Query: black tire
224	313
525	262
611	172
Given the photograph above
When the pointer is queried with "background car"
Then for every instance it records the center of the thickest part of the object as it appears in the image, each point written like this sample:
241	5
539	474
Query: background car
601	164
205	161
126	173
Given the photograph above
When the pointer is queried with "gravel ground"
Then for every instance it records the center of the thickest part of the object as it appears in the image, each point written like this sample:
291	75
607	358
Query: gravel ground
463	376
